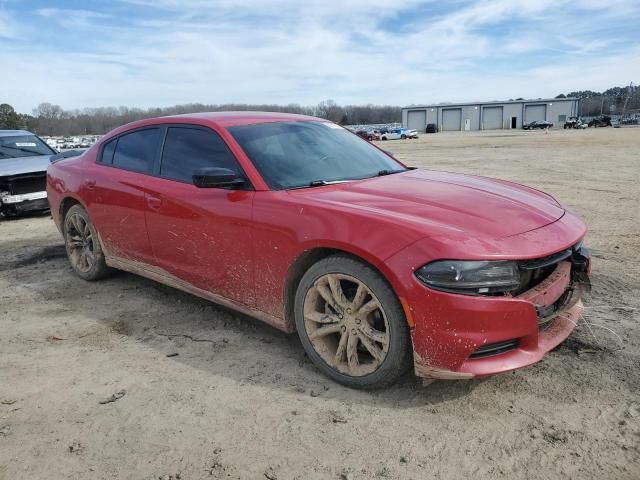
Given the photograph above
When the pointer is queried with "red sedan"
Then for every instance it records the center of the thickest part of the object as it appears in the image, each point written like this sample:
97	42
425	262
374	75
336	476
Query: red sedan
304	225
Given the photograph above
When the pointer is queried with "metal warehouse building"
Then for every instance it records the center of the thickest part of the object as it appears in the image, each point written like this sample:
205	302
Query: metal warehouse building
489	115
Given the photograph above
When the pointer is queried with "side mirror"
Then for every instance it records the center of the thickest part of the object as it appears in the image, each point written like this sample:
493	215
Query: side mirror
213	177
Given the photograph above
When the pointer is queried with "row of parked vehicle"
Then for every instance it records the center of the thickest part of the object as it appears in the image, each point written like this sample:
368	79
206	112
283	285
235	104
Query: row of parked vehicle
388	134
66	143
601	121
575	122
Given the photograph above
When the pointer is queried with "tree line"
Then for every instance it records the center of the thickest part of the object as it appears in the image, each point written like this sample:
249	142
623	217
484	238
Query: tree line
52	120
613	101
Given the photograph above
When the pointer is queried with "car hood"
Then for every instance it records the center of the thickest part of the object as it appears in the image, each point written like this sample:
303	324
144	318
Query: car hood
437	201
17	166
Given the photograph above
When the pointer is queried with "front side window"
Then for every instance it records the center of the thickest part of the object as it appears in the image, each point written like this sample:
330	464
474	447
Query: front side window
16	146
297	154
188	149
137	150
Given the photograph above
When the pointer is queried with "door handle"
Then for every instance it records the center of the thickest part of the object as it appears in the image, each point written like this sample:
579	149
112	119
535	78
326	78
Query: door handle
89	183
154	203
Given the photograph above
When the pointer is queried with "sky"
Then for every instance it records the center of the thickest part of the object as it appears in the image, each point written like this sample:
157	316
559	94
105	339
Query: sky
147	53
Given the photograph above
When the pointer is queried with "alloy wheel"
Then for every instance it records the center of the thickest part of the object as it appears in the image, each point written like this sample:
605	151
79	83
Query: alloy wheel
346	324
80	243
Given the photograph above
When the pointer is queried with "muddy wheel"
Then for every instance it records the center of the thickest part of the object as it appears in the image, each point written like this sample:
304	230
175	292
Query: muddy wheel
351	323
82	245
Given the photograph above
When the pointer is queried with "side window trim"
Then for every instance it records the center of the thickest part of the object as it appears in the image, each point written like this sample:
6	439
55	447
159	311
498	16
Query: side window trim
100	155
193	126
117	138
157	162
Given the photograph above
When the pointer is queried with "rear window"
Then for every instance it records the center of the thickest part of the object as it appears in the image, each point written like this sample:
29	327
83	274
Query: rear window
107	152
137	150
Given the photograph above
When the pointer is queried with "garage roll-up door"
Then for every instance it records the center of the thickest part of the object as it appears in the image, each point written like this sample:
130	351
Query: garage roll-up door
535	113
491	118
417	120
451	119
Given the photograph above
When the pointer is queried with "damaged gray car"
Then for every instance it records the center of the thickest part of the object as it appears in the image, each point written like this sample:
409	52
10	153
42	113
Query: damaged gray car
24	159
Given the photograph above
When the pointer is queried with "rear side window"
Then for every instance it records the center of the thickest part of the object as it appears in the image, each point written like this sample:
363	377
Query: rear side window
136	151
107	152
187	149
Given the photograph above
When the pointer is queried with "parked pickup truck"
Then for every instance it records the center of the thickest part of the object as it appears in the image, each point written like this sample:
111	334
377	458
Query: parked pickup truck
398	133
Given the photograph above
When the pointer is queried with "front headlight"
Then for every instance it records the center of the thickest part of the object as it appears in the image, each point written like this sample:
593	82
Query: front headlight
471	277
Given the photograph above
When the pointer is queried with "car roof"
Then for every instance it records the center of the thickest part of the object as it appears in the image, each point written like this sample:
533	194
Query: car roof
229	119
223	119
13	133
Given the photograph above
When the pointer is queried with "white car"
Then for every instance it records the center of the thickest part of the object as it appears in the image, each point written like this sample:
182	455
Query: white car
398	133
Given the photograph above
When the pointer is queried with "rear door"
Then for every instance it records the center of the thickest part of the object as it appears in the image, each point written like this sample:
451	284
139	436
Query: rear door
117	198
201	235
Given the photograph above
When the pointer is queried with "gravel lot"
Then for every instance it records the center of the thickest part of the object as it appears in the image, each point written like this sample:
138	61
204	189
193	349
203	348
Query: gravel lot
242	401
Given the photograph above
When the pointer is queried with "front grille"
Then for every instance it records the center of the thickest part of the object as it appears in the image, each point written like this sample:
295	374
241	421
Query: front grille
492	349
21	184
533	272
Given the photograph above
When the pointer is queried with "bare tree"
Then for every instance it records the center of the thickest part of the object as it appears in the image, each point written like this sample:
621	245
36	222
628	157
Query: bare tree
48	118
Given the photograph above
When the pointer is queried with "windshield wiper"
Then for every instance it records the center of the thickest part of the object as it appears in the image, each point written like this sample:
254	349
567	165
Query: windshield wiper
317	183
382	173
22	149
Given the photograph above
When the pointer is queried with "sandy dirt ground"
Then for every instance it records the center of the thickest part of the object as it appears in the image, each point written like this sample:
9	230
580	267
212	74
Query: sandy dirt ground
240	400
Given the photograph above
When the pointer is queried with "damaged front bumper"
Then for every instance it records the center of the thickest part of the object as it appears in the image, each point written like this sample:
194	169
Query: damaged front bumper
23	193
462	337
8	199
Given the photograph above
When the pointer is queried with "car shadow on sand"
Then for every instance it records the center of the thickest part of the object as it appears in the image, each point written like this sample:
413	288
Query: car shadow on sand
205	336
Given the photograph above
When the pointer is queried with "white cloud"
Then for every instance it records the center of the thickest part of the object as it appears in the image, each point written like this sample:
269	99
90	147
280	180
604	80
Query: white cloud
293	52
72	18
7	26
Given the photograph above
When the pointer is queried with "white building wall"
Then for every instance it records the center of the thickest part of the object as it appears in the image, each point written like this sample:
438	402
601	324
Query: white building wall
556	111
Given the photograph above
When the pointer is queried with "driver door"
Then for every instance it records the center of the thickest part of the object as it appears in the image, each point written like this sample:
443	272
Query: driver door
203	236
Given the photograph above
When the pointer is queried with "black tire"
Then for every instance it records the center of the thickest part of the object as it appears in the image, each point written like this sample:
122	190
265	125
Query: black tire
81	241
403	137
383	138
399	354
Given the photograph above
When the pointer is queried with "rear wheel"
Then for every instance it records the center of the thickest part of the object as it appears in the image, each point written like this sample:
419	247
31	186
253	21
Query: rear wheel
82	245
351	324
403	136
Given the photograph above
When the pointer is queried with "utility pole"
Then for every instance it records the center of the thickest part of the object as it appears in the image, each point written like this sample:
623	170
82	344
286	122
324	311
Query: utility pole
626	100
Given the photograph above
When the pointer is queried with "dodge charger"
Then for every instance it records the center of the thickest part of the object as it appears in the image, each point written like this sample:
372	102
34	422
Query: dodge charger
294	220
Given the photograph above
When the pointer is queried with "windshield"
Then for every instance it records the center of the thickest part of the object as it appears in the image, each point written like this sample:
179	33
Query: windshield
23	146
299	154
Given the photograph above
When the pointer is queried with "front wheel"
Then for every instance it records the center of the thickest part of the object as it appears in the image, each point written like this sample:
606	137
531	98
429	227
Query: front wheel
403	137
82	245
351	323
